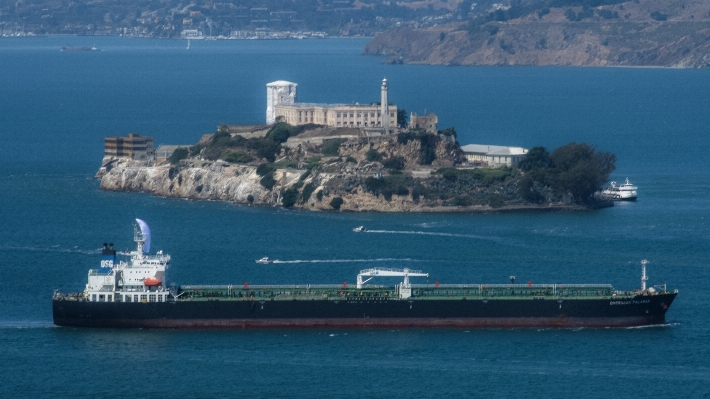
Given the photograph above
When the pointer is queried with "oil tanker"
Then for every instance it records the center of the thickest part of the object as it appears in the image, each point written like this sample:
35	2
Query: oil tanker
133	293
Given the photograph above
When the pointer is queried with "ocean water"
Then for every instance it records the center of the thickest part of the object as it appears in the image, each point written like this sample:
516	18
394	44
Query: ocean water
56	107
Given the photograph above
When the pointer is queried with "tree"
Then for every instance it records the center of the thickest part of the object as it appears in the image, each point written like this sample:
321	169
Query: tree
336	203
579	170
537	157
402	118
178	155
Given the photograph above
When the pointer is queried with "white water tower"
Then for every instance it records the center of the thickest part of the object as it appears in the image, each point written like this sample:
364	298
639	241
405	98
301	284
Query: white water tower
279	92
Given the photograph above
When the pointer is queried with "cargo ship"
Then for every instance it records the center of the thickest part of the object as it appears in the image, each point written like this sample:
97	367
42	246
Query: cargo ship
133	294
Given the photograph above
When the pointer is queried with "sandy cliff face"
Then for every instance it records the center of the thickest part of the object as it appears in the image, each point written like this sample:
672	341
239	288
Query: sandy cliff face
630	38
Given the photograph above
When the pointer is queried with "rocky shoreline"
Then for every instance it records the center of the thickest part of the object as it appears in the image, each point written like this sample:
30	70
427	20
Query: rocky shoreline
343	183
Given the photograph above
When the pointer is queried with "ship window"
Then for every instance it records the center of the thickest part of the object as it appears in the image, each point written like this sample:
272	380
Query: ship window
102	298
109	298
144	298
126	298
93	297
160	298
151	298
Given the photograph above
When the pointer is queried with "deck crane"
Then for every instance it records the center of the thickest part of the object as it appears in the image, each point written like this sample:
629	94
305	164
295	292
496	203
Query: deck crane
404	289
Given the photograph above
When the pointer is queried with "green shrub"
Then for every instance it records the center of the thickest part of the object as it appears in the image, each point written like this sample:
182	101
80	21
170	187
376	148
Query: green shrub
330	147
238	157
250	198
178	155
265	168
195	150
268	181
336	203
496	201
307	191
395	163
449	131
319	195
351	160
372	155
289	197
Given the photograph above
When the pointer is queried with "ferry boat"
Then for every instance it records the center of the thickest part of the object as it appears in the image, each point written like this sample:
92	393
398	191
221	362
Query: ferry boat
134	294
624	192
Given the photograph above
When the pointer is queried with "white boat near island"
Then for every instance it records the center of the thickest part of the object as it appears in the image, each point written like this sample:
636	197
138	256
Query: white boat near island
624	192
264	260
359	229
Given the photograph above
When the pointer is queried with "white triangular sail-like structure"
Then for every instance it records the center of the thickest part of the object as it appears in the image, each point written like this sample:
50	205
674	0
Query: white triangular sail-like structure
145	231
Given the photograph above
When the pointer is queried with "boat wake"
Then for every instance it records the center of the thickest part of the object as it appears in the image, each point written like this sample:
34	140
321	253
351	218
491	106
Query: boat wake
54	248
349	260
22	324
427	233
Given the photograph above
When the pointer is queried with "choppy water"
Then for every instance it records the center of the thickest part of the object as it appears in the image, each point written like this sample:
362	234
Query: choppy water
55	109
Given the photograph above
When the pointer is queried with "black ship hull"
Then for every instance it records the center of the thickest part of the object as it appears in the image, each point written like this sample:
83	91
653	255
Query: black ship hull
366	313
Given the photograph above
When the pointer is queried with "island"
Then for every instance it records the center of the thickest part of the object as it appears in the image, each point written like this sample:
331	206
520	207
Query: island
321	168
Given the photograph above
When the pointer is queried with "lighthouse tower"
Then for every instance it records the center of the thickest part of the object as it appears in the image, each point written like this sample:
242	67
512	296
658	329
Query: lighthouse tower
277	93
384	107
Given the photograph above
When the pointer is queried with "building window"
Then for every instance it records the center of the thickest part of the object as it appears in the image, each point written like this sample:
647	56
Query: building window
358	123
372	114
351	114
391	115
338	115
338	123
359	115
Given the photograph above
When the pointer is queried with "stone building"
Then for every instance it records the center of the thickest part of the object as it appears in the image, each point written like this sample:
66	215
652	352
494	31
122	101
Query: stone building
428	122
493	155
135	146
281	104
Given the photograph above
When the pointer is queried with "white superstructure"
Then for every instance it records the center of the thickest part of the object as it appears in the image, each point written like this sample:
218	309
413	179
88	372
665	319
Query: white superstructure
141	279
624	192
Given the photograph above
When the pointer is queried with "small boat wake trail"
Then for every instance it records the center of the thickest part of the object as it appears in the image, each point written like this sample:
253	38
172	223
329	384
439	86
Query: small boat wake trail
350	260
427	233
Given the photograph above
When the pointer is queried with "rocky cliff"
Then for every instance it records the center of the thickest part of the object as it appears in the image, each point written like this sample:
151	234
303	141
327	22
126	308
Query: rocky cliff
658	33
405	173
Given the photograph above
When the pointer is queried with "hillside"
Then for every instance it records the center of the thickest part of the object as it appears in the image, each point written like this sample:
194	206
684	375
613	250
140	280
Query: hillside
649	33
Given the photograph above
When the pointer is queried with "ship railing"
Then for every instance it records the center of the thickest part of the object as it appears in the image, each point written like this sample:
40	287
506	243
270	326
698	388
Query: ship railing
105	271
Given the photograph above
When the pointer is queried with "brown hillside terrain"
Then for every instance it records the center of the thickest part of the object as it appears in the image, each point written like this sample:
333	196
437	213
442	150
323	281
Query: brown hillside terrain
653	33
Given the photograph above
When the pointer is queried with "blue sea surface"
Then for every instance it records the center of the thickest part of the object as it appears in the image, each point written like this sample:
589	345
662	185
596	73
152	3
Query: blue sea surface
56	108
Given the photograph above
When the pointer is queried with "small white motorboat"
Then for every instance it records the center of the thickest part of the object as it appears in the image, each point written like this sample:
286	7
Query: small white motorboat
359	229
264	260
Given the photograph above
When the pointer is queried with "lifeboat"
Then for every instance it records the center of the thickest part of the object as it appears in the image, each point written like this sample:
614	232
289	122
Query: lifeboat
152	281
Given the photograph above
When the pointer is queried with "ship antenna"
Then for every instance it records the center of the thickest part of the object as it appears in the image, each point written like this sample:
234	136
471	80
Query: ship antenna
138	238
644	277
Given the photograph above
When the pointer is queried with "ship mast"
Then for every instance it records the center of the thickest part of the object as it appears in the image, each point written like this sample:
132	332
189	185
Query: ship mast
644	277
139	239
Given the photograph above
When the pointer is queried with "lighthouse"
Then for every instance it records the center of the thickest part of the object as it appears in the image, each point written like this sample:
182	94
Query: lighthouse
384	107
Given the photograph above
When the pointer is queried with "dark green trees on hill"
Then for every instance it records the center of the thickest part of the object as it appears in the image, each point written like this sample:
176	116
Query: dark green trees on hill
575	169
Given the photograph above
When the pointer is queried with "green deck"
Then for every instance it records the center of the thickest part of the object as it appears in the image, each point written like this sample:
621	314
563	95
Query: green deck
419	291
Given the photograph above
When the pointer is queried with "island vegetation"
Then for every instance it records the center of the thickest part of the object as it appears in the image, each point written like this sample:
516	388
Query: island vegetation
410	171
